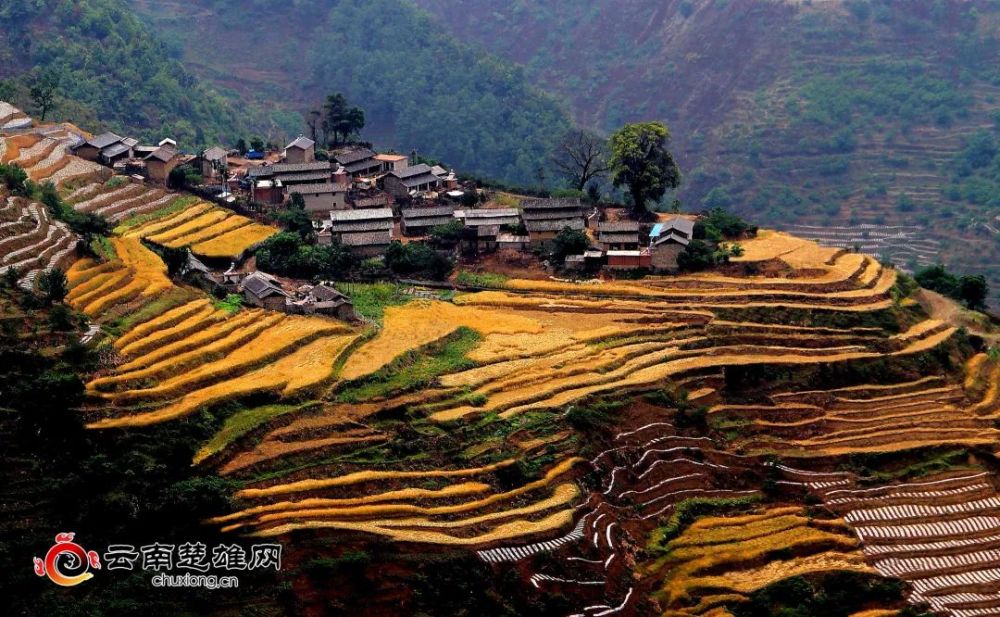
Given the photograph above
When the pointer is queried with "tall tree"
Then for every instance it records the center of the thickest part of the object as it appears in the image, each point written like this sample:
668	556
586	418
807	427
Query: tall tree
54	285
43	91
339	119
641	162
580	157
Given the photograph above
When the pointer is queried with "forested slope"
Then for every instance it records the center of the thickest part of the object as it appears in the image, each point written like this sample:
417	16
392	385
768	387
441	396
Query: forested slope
112	71
836	113
420	88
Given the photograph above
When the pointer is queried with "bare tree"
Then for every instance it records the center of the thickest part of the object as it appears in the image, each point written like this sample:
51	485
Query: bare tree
580	157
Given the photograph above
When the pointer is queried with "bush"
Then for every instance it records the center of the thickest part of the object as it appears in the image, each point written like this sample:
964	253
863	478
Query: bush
287	253
568	242
417	259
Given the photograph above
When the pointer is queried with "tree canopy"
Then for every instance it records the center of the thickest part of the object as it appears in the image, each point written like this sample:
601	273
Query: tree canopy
641	162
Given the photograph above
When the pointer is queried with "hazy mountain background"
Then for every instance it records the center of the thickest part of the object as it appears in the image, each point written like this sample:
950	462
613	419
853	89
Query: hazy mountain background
837	113
824	113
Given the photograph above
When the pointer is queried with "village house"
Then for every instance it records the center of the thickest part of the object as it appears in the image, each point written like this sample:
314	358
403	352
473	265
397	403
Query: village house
214	163
91	149
393	162
376	200
121	151
322	198
618	235
485	227
301	150
161	162
366	232
410	181
360	162
263	291
545	218
629	259
268	192
419	221
322	299
666	241
513	242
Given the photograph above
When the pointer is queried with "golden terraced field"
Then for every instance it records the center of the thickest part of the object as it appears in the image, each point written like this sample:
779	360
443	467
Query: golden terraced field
476	423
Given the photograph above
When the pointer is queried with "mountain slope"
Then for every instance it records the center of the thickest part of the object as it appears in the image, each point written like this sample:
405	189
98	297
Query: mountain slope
826	114
112	71
420	88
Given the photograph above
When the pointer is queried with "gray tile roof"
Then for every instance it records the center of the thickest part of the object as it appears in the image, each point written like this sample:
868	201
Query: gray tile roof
414	170
425	212
354	156
554	224
301	142
302	177
270	170
549	204
215	153
372	202
680	224
618	226
261	285
163	153
370	214
362	165
104	140
114	150
373	238
319	189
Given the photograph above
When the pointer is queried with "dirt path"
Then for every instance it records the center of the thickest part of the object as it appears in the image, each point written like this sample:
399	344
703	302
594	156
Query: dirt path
949	311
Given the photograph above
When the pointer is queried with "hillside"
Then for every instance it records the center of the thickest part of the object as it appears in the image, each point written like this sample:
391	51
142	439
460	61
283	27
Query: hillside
815	114
420	88
112	72
759	437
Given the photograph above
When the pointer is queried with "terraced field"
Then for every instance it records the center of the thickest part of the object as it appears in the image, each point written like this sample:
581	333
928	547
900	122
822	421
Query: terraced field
140	210
31	241
592	439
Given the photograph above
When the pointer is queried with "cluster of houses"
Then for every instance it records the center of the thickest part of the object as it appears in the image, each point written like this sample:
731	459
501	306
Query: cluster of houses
127	155
265	291
366	200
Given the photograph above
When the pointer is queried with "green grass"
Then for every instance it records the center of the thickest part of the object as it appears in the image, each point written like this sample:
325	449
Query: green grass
690	510
371	299
103	248
481	279
175	206
241	423
414	369
173	298
231	304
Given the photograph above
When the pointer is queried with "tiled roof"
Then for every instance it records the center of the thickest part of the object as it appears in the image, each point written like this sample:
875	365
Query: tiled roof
104	140
163	153
554	224
361	215
618	226
425	212
680	224
549	204
354	156
373	238
215	153
319	189
270	170
301	142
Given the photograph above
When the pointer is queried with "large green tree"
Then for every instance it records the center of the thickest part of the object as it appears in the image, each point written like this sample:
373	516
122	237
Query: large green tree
641	162
340	119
